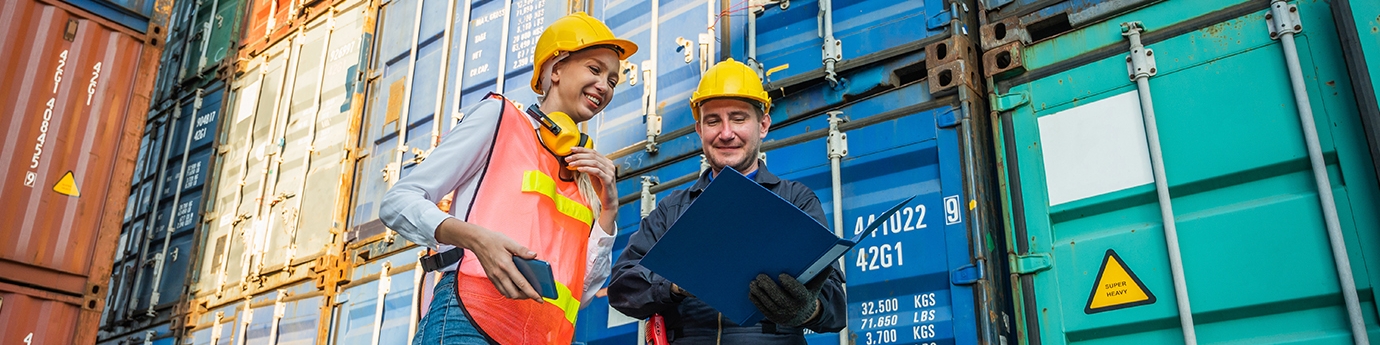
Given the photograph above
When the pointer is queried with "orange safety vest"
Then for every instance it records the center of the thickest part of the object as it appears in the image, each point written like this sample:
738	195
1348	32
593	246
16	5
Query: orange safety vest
521	195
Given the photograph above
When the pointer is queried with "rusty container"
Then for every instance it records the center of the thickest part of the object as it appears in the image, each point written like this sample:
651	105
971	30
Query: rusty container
73	91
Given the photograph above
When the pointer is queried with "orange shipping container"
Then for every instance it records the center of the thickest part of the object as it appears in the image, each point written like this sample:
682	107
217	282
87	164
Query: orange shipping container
74	89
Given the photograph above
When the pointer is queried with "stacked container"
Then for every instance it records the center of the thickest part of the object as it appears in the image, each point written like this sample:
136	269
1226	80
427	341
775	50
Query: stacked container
897	77
77	81
1020	126
166	202
1175	141
276	203
433	59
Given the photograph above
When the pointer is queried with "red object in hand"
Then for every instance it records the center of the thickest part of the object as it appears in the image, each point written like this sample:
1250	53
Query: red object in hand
656	330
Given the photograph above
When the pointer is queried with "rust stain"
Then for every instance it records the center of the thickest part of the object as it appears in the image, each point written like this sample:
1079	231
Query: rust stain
1332	83
1215	30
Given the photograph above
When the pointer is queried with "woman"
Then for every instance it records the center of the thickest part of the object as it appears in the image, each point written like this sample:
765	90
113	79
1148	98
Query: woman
526	185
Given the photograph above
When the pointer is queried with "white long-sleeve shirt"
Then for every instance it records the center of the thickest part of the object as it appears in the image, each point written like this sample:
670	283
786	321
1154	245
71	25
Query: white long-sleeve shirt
409	207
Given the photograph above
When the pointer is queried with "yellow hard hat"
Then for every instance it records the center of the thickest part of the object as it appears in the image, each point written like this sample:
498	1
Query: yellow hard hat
729	79
572	33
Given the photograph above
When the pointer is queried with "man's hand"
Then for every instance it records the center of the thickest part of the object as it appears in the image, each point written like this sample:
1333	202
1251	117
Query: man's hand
603	176
790	303
495	252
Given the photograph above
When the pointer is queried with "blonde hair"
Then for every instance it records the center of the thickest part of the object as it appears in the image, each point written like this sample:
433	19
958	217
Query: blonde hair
582	180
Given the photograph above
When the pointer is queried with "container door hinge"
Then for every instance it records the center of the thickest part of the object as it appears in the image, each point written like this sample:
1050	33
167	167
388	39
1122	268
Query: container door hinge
1141	61
949	119
649	109
968	274
648	198
759	6
1007	102
838	140
939	20
1030	263
1283	19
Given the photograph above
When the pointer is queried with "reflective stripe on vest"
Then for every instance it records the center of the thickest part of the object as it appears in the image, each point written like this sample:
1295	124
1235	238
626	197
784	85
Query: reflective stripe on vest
537	182
519	197
567	302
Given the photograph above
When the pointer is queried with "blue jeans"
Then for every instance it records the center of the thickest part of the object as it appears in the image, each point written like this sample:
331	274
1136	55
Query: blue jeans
446	323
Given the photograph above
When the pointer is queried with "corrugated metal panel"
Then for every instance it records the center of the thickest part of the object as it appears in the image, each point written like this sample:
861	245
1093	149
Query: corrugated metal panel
132	14
905	142
868	29
333	129
1046	18
1235	162
74	75
900	147
175	227
677	41
216	326
358	311
32	316
281	160
267	22
211	34
221	261
483	49
872	33
158	262
396	98
285	316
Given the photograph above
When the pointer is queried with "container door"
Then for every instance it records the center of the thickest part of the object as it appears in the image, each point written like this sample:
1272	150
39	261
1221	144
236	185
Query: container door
677	40
790	40
1092	258
39	317
402	114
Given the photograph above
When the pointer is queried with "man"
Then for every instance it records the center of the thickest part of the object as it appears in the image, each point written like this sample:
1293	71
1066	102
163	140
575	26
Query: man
731	117
525	184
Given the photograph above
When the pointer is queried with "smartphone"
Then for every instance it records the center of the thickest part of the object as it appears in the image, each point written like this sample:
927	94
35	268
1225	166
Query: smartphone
538	274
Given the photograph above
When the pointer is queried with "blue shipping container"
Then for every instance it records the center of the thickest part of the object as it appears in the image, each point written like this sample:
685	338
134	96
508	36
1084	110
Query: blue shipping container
916	280
156	242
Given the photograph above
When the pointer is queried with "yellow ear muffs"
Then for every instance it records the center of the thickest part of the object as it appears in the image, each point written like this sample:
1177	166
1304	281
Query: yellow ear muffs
558	132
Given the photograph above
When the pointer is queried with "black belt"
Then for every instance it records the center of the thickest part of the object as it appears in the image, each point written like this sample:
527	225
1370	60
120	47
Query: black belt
767	328
440	260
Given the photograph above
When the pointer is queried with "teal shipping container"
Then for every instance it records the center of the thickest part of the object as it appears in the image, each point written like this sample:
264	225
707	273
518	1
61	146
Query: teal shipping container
1161	184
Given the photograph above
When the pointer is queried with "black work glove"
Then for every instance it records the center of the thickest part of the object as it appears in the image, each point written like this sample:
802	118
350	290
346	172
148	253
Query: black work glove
789	304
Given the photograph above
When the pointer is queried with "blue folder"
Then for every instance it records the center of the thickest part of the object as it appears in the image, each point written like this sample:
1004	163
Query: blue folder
737	229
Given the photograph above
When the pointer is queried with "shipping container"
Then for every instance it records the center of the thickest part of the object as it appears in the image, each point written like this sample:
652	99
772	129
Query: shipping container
381	303
1108	189
1360	39
785	41
28	312
153	264
331	102
78	79
217	326
677	40
269	253
923	261
147	294
912	135
406	116
273	209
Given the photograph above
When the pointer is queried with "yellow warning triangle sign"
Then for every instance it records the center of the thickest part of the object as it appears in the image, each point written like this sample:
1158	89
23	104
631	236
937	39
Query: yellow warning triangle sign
67	185
1116	287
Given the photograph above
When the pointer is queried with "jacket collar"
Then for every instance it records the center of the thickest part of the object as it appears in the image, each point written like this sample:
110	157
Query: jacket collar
764	177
